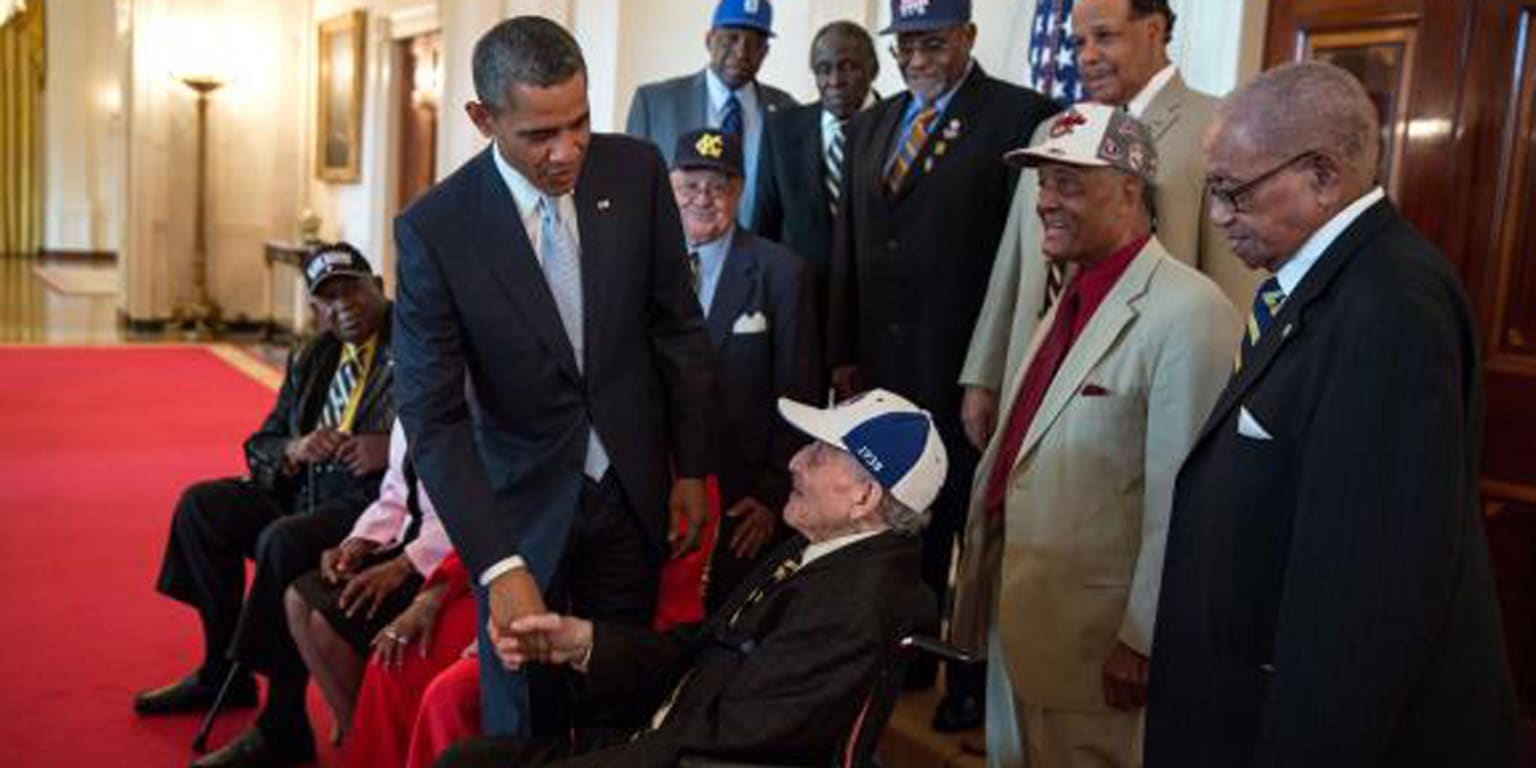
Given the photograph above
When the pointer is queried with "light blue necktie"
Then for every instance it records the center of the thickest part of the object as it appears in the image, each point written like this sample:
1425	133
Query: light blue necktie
562	271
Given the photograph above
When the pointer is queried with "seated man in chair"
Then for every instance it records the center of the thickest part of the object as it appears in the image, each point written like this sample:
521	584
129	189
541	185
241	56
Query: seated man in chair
788	665
314	464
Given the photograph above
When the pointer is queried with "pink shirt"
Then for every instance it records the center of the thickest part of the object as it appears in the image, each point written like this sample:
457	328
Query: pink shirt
386	520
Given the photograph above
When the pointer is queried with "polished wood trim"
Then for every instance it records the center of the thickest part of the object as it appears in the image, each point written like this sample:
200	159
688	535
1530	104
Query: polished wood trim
73	255
1505	491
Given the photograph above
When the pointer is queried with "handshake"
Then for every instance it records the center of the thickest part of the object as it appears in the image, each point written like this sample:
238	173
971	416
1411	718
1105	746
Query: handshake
544	638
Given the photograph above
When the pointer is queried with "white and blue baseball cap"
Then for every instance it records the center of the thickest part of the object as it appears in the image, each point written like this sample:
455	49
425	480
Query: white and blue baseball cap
888	434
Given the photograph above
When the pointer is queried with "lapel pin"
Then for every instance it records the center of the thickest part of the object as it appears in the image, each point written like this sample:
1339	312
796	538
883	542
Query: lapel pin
938	148
928	164
952	130
1285	333
602	204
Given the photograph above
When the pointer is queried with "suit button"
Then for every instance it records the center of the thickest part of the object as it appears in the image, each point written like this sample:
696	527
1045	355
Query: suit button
892	245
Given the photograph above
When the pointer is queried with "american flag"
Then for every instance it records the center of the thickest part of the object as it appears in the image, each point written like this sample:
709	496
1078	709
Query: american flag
1052	62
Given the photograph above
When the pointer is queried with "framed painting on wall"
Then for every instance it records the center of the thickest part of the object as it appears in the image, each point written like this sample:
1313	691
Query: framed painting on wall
339	98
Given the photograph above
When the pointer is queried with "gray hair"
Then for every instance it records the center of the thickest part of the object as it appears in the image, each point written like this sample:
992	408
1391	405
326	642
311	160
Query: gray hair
1310	106
524	50
901	518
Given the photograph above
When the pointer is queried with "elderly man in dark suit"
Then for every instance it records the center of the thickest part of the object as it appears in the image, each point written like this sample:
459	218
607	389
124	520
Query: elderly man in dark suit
1326	595
315	464
801	172
801	652
554	371
924	203
764	334
724	95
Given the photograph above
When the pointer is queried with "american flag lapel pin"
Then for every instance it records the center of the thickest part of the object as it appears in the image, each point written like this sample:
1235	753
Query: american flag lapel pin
603	204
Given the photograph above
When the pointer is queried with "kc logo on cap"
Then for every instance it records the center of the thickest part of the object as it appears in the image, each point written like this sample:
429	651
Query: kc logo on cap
710	145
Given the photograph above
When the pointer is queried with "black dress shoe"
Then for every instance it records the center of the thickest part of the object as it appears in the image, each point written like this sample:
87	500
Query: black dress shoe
191	694
958	712
252	749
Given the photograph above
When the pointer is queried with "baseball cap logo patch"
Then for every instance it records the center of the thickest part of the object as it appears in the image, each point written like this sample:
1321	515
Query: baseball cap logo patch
710	145
1067	123
912	8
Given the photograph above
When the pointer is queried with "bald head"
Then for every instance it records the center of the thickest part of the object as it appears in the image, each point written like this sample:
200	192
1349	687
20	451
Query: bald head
1309	107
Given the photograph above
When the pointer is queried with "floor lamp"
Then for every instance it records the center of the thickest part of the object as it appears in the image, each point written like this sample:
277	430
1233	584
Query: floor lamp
202	316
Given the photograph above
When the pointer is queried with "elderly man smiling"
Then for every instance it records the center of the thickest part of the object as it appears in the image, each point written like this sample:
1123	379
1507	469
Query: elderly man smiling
783	670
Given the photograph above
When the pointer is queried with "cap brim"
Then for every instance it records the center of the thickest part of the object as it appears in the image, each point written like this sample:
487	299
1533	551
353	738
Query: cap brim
745	25
338	273
1032	157
706	165
811	421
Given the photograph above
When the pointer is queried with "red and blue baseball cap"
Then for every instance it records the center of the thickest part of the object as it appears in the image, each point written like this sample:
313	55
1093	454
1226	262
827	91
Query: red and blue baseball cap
751	14
892	438
927	15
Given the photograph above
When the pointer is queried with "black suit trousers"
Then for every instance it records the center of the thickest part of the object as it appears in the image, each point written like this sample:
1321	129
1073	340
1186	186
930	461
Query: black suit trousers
219	524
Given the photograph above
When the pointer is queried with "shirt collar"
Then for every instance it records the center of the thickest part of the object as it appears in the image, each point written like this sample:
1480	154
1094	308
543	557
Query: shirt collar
524	193
1095	280
712	253
821	549
718	93
1138	105
830	121
1296	267
942	102
361	353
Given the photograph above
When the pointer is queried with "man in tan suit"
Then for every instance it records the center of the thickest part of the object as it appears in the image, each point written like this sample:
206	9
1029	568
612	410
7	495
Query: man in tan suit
1064	542
1122	55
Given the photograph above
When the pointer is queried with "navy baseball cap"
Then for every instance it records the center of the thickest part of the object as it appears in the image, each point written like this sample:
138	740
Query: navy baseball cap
927	15
708	148
330	260
892	438
752	14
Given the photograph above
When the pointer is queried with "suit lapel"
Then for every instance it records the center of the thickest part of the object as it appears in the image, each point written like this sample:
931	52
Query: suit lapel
961	111
733	290
695	112
1114	313
507	252
1166	108
883	136
595	225
813	157
1288	323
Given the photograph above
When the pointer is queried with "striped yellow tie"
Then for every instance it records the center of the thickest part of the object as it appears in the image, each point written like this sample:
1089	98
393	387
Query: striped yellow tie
1266	304
916	138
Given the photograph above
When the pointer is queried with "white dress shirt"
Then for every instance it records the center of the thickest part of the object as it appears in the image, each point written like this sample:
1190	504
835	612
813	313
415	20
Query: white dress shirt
1296	267
1138	105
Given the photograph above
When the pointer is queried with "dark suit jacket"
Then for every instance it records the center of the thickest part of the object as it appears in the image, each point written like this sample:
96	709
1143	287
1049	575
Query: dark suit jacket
662	111
503	456
1326	594
753	369
909	271
306	385
792	200
783	683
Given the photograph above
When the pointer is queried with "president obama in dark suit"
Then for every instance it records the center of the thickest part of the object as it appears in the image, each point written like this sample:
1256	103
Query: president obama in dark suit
552	367
1326	596
923	207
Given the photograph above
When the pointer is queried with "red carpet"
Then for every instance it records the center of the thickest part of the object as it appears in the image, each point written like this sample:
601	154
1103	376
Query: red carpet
95	446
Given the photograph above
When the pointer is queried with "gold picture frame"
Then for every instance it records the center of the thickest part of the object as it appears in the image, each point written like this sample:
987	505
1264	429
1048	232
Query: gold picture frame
339	98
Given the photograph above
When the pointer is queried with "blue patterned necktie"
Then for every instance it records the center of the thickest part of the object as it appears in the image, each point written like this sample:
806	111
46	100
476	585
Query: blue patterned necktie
562	271
1266	304
730	122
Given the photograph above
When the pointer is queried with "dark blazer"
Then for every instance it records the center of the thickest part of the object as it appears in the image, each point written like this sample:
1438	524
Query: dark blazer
792	200
664	110
909	271
784	682
1326	594
306	384
755	368
489	392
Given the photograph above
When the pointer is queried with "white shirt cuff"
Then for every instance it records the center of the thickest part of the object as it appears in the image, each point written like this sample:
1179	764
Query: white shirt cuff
499	568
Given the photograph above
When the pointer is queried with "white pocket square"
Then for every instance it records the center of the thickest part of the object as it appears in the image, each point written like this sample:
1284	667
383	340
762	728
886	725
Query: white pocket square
1249	427
755	322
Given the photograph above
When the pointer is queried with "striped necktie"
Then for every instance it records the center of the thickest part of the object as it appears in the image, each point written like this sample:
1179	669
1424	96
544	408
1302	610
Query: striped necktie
340	392
901	167
695	273
730	122
834	169
1266	304
562	271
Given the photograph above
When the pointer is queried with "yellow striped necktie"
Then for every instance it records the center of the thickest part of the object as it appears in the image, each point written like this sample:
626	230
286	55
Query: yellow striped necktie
1266	304
901	167
348	371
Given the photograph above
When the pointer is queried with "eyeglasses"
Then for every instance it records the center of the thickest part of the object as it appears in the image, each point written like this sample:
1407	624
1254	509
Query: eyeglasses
1235	198
930	46
692	191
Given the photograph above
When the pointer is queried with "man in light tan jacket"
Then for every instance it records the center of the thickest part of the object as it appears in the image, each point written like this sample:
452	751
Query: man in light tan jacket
1122	55
1070	504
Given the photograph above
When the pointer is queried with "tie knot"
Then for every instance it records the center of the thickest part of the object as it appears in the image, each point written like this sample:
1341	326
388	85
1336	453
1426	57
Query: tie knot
549	208
1270	294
